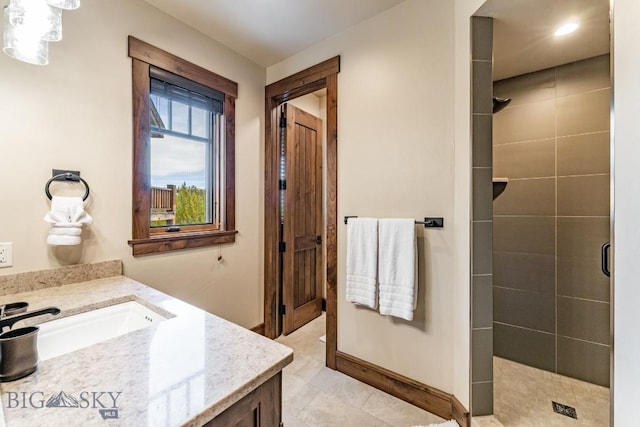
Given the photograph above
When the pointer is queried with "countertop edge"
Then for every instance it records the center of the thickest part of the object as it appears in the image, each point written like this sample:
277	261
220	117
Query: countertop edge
94	293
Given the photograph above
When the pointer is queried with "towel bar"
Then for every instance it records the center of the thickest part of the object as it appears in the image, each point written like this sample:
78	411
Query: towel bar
66	176
428	222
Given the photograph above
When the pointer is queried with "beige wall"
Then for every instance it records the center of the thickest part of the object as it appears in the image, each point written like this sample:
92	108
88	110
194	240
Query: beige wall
75	114
309	103
395	159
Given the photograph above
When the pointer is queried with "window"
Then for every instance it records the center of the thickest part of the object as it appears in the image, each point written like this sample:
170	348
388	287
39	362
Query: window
186	156
183	169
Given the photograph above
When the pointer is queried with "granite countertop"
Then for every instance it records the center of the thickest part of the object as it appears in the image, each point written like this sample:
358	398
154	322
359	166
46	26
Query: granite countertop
182	371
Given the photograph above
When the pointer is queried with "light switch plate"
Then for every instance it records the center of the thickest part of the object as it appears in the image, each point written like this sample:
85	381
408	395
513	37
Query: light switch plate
6	254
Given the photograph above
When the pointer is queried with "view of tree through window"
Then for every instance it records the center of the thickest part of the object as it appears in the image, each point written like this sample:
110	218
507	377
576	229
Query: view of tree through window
185	153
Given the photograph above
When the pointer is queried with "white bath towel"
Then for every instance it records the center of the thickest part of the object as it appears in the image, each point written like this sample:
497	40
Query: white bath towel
67	216
362	265
397	267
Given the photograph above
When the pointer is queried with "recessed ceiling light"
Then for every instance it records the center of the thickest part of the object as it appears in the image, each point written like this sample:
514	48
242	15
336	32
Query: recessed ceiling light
567	28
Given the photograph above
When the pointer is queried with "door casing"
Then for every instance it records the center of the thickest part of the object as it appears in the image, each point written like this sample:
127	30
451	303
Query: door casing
322	75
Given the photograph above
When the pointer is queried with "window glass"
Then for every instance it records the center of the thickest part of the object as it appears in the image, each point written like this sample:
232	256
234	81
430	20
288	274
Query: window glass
159	111
179	117
200	122
183	184
184	160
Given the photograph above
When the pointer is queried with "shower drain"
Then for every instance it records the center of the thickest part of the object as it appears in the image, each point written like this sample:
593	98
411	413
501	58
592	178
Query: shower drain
567	410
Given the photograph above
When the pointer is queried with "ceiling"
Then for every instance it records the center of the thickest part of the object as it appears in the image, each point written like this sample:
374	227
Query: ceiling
523	33
268	31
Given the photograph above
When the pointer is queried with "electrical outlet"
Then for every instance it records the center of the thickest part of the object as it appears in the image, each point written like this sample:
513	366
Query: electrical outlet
6	254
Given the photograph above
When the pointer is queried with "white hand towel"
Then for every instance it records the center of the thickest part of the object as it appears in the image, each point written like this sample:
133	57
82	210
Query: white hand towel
362	255
61	240
67	215
65	231
67	210
397	267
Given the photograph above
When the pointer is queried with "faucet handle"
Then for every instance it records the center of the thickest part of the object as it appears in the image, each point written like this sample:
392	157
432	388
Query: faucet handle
13	308
9	321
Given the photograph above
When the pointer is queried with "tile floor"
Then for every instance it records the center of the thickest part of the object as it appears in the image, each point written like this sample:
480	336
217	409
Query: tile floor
523	395
314	395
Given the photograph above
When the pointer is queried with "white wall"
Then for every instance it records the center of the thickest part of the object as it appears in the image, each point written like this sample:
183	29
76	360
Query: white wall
76	114
626	196
395	159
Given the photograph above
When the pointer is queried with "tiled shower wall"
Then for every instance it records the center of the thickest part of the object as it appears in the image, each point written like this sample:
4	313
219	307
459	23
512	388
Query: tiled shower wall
482	221
550	299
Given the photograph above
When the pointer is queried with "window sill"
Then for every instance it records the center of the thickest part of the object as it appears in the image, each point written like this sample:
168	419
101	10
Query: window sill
175	242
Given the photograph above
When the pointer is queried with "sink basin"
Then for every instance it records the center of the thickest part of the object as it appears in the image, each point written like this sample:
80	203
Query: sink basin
83	330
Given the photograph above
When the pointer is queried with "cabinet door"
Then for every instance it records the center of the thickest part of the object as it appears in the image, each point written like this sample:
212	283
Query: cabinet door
260	408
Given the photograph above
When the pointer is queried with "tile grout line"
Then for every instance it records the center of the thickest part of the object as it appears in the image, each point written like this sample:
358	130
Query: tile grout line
556	96
548	216
548	333
547	293
550	176
555	272
549	138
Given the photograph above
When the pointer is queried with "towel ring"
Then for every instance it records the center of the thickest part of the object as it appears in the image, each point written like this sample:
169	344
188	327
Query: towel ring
68	177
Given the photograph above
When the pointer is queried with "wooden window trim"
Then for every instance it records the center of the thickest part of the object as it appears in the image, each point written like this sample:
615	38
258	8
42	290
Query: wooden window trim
144	241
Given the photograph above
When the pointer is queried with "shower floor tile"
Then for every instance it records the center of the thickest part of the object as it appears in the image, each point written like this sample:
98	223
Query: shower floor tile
523	396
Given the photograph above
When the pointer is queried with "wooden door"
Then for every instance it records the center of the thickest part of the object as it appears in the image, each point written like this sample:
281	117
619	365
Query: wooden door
302	228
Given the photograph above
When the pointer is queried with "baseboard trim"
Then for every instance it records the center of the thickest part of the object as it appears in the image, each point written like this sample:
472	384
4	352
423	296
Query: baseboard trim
258	329
429	398
460	413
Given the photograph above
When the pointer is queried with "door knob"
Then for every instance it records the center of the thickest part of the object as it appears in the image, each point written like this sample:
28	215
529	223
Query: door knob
318	240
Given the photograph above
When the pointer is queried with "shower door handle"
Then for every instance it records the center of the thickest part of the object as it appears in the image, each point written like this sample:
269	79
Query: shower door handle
605	258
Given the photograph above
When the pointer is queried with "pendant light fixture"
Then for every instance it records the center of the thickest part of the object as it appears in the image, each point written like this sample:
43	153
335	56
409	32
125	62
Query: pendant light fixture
30	24
21	45
65	4
37	17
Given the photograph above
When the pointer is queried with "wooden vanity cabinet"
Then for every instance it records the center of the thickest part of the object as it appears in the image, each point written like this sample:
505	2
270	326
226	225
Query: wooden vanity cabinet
260	408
